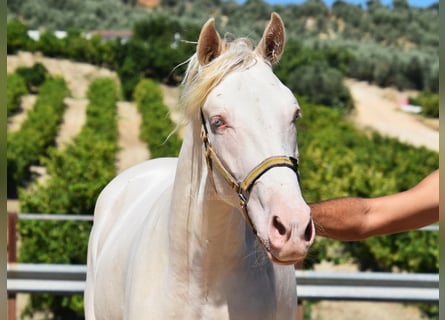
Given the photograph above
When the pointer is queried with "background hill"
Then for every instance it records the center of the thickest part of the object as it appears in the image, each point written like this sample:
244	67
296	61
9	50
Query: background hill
393	45
397	25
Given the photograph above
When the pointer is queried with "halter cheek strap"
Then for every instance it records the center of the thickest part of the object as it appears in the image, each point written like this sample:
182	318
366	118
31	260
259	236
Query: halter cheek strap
244	187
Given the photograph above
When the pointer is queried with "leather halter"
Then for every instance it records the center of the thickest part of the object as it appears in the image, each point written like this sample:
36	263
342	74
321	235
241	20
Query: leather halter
243	188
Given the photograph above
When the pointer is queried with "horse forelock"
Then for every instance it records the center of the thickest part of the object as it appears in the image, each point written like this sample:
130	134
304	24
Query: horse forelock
200	80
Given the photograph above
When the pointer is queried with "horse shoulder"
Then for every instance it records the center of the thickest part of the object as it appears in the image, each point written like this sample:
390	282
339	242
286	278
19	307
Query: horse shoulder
122	211
118	199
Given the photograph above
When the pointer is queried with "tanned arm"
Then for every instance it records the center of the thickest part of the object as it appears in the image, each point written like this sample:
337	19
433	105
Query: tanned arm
351	219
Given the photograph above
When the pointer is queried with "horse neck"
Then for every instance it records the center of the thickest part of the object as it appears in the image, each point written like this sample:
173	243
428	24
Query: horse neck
206	234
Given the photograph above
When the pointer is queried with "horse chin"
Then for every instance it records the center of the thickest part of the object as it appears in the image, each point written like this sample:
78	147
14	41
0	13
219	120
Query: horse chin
282	262
293	259
288	259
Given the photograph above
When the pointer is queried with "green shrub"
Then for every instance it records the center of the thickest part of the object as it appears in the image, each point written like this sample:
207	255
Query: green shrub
77	176
310	73
130	75
338	161
34	76
322	85
37	133
157	127
387	66
15	89
49	45
429	103
17	37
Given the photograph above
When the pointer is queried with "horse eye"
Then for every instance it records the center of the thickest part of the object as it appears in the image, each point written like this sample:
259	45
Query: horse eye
217	122
297	114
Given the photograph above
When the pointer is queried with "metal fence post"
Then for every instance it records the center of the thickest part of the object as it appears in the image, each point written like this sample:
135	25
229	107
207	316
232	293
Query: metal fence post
12	258
300	311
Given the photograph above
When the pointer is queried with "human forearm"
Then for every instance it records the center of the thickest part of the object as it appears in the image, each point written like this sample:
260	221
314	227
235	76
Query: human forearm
408	210
342	219
358	218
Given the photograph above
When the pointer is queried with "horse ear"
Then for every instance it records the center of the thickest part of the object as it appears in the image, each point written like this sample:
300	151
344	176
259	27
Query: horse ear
209	43
271	45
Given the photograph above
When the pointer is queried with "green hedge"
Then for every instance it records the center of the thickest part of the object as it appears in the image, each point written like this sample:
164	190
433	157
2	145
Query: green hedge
157	127
34	76
338	161
15	89
17	37
77	176
429	103
37	133
317	74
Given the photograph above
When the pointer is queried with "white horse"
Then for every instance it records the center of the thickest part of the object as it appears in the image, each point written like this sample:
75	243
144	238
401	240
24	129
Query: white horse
215	233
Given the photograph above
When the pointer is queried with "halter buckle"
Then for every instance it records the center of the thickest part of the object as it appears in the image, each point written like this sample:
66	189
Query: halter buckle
243	198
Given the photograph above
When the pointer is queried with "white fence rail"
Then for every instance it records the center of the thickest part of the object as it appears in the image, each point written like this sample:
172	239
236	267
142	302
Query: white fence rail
368	286
312	285
56	279
89	217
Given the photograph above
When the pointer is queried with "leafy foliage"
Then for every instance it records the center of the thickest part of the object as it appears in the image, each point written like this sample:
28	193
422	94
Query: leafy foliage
17	37
157	128
154	51
77	175
429	103
15	89
87	15
308	73
384	66
34	76
77	170
338	161
386	45
95	51
36	135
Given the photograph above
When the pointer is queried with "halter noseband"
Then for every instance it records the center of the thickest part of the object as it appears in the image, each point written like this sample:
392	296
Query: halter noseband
243	188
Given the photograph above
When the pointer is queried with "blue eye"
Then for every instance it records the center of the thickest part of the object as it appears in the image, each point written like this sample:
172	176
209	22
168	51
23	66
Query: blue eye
217	122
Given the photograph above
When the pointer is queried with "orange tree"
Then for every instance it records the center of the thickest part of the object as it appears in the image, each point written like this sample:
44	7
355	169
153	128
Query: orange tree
336	160
157	127
77	175
37	133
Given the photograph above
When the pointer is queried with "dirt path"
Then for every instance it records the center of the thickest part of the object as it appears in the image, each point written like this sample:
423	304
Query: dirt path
353	310
77	75
26	104
73	120
132	149
171	100
379	109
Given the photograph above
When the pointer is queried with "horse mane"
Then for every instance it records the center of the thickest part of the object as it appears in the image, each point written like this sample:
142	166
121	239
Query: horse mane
200	80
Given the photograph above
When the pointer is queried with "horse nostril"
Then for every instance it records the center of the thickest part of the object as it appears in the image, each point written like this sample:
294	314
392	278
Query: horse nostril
279	226
308	231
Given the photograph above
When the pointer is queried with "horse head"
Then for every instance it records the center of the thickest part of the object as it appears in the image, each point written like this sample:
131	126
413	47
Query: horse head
248	118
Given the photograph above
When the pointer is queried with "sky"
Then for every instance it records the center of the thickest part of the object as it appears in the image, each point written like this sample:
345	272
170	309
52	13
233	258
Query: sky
414	3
